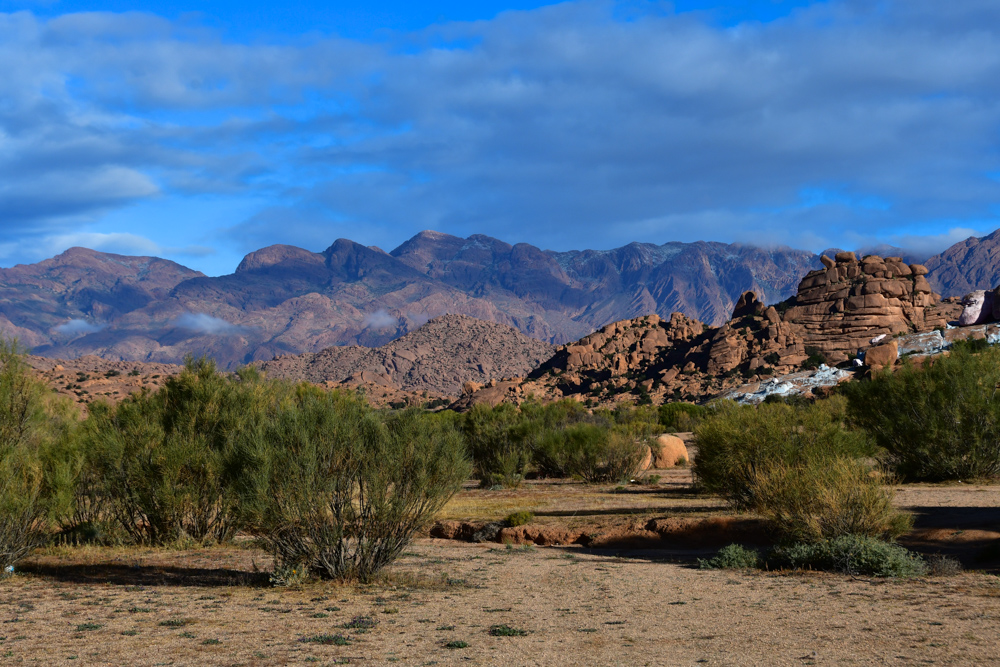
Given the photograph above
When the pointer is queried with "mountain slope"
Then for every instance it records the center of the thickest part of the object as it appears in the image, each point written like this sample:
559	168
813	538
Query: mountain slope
440	356
286	300
968	265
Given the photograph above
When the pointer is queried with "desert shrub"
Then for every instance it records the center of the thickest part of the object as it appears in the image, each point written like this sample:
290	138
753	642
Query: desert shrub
515	519
499	440
825	498
680	417
593	452
736	442
937	423
33	428
169	461
341	490
732	557
851	554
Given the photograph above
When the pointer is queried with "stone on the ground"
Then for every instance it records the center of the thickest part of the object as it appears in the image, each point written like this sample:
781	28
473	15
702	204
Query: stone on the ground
668	451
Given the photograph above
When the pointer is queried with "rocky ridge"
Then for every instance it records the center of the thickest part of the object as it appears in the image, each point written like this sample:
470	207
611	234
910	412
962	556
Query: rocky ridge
849	306
440	357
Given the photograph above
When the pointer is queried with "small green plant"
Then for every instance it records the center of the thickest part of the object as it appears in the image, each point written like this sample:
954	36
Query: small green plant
175	622
286	575
815	358
732	557
326	640
87	627
211	642
521	518
850	554
506	631
456	644
361	623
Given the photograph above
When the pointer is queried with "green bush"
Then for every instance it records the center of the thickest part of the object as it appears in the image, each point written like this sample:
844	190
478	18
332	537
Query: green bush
938	423
732	557
169	462
736	442
341	490
34	427
680	417
851	554
826	498
500	443
521	518
595	453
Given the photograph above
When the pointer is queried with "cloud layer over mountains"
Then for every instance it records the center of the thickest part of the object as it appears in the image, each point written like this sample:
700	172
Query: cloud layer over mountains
845	123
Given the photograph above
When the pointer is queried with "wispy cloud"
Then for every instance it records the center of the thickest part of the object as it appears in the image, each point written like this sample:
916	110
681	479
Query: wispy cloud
380	319
204	323
76	328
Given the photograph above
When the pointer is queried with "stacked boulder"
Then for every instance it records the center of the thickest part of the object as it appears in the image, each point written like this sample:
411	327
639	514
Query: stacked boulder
980	307
840	307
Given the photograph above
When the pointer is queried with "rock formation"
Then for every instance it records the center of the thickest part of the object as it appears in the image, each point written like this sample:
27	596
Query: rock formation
847	307
839	308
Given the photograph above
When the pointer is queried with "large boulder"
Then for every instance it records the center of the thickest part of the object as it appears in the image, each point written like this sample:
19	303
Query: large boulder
977	308
668	451
883	355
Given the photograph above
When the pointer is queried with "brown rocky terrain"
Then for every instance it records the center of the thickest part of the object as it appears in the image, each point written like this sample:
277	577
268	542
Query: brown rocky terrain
837	312
439	357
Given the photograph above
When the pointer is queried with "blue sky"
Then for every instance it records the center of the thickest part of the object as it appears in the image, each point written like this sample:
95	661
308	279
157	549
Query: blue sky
202	131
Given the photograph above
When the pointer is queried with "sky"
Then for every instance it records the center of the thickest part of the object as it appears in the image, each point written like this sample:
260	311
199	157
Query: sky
200	131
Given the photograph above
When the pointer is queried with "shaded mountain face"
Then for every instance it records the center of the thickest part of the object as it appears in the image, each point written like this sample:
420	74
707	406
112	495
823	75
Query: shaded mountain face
80	291
968	265
286	300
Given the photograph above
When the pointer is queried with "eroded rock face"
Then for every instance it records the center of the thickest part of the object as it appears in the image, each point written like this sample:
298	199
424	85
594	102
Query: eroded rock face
839	308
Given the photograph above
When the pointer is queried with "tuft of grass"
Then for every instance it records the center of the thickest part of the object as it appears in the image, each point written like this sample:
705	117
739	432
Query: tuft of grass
456	644
506	631
361	623
732	557
86	627
211	642
326	640
175	622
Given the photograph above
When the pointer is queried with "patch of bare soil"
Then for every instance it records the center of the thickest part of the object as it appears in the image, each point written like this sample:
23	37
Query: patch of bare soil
439	603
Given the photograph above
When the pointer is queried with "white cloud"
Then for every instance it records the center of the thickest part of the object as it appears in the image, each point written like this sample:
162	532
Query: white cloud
206	324
380	319
75	328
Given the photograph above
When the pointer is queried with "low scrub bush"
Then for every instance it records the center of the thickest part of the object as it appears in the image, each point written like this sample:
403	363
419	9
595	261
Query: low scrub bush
736	443
850	554
732	557
341	489
595	453
521	518
680	417
500	443
825	498
938	423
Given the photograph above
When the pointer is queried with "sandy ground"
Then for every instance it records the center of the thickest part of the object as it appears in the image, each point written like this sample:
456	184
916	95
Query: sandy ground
576	607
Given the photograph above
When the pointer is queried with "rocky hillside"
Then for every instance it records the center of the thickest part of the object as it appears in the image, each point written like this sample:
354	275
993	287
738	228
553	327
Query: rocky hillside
836	312
439	357
969	265
285	300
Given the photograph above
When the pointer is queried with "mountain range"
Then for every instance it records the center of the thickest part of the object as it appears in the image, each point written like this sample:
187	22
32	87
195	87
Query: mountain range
287	300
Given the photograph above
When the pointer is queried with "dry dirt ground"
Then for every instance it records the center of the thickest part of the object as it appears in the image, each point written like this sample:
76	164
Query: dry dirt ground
614	605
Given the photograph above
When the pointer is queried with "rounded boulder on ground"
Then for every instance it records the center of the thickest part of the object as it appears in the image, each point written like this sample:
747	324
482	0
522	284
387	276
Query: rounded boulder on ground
668	451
